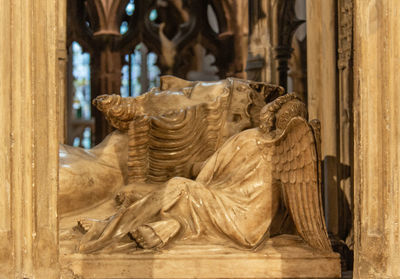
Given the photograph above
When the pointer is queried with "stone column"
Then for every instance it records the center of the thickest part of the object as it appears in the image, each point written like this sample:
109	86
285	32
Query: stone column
258	59
377	134
105	76
345	119
62	68
321	73
29	125
241	37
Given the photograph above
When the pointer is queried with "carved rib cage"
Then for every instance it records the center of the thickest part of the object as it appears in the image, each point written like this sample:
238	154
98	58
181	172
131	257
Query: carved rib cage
166	146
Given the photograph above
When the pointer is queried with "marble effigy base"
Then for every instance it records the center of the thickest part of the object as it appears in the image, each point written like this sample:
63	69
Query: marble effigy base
284	256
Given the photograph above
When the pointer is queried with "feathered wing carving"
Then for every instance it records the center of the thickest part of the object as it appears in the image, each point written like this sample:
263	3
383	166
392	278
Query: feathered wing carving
295	161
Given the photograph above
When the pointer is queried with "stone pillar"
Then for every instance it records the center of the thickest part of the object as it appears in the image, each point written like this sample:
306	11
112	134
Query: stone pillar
241	37
345	119
62	68
258	59
272	18
377	134
322	96
29	125
105	78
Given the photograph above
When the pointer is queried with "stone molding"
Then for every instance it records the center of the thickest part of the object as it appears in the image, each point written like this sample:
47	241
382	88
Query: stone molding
29	113
376	139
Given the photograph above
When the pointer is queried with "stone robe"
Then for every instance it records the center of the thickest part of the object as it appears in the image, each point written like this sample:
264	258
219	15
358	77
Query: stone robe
232	202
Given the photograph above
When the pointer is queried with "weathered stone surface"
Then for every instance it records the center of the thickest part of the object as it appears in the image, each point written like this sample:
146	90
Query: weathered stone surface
285	256
29	105
257	184
29	124
321	72
88	177
377	131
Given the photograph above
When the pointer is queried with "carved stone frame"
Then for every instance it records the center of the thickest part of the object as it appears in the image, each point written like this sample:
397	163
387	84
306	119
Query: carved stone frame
31	102
31	110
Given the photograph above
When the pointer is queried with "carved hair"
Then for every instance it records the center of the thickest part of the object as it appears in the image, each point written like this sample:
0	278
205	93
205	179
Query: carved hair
277	114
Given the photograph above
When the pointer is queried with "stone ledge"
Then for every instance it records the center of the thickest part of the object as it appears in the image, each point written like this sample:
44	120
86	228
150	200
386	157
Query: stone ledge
284	256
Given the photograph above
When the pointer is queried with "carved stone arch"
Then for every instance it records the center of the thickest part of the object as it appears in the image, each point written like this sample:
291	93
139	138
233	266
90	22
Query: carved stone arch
172	36
77	22
140	29
287	25
196	31
220	12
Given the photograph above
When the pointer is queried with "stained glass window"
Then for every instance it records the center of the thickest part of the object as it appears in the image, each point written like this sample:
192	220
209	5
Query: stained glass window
139	77
81	100
153	71
140	72
130	8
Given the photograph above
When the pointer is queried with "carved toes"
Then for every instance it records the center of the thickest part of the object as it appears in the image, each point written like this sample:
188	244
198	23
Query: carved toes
119	198
84	225
126	197
137	237
145	237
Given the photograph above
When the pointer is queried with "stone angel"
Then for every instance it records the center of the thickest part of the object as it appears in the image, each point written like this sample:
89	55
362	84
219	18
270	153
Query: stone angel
239	198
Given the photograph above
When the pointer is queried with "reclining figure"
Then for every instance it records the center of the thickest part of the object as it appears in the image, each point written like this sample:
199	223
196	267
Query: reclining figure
167	132
242	194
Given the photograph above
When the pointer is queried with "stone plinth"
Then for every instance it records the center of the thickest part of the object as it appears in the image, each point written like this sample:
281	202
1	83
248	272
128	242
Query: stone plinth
285	256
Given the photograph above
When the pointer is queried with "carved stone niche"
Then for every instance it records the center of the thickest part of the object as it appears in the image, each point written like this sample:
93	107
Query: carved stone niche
206	180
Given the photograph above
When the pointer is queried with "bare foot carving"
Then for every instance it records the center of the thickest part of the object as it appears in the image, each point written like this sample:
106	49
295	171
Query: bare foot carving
145	237
127	197
85	224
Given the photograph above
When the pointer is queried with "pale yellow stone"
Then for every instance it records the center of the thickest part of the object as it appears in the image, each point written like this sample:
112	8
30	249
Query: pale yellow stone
30	103
29	124
284	256
181	226
88	177
377	133
321	92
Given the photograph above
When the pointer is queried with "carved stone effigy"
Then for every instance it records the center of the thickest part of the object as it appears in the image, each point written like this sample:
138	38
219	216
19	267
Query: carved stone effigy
205	188
172	131
162	134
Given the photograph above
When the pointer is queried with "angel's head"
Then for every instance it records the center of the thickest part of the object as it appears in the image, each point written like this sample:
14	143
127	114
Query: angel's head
277	114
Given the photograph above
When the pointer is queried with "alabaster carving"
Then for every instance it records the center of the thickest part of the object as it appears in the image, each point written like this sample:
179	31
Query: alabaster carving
223	174
87	177
174	129
170	131
251	184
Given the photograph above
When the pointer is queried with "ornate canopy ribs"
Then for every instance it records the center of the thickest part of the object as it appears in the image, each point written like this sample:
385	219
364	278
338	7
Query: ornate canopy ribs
180	26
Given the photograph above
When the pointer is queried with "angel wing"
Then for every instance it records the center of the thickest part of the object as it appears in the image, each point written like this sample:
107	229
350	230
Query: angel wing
294	155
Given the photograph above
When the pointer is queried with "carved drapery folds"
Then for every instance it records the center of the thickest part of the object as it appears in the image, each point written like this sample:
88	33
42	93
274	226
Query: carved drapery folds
180	26
184	137
228	189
